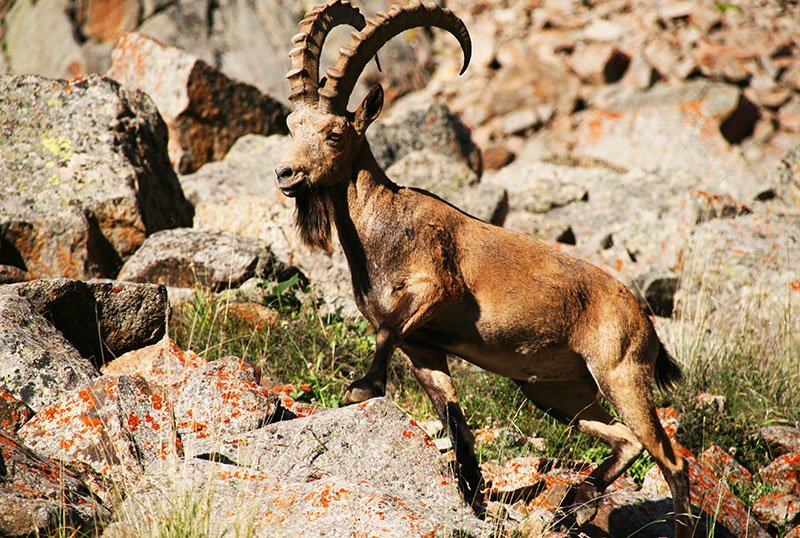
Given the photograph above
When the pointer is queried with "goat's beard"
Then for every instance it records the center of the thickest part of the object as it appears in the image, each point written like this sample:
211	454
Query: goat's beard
313	218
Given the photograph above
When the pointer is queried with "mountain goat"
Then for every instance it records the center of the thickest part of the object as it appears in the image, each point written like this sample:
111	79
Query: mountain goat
435	281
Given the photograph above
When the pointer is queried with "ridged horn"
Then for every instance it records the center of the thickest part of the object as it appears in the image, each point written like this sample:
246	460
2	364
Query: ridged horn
365	44
314	28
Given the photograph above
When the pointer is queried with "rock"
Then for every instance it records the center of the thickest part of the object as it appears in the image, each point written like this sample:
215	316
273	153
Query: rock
432	127
268	504
777	510
724	466
781	439
639	513
596	63
497	156
86	176
111	430
13	413
185	24
714	403
403	462
786	177
520	478
222	398
712	496
783	473
224	195
789	115
742	264
107	20
204	110
39	38
186	258
452	181
253	315
675	128
10	274
163	364
100	319
39	496
39	365
335	468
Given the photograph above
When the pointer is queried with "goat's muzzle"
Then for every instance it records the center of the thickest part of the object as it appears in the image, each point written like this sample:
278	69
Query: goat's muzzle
289	181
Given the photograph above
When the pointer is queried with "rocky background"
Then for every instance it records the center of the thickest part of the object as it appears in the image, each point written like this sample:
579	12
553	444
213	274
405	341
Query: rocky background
138	139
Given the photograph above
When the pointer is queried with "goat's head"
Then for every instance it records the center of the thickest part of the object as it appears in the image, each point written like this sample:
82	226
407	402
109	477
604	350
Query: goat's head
327	139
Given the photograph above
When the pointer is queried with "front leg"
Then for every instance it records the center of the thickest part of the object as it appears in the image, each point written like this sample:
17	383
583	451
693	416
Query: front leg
414	305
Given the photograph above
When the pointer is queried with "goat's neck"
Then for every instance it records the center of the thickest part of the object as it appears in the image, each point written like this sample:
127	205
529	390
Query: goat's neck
357	211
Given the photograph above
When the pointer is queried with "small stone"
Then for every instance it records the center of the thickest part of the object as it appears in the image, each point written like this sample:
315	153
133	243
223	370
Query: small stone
789	115
253	315
107	20
713	402
781	439
725	466
497	156
783	473
777	510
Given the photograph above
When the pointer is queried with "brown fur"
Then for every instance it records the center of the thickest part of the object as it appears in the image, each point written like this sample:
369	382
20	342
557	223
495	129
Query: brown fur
435	281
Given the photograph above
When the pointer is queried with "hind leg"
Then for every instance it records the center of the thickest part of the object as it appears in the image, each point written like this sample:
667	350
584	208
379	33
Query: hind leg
575	403
632	397
431	370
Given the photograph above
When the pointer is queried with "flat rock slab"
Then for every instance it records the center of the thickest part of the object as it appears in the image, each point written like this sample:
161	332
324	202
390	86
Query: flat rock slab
205	111
110	430
39	495
38	364
230	499
100	319
372	442
781	439
86	176
163	364
783	473
185	258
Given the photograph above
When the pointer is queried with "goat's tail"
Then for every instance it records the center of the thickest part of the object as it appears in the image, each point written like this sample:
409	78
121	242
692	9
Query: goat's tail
668	371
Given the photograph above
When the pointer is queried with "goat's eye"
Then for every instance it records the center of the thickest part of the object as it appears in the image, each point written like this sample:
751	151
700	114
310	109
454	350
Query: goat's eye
335	137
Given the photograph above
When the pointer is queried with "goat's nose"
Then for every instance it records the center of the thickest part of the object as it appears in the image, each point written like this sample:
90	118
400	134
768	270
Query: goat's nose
284	171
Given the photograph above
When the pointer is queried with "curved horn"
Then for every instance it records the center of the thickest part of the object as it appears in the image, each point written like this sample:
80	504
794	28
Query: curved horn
314	28
343	76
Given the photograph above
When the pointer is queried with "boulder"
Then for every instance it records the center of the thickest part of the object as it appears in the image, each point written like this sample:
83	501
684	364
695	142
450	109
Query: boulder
372	443
335	480
39	38
185	24
430	126
10	274
682	128
725	466
223	397
39	365
40	496
186	258
786	176
86	176
110	430
452	181
205	111
100	319
228	498
162	364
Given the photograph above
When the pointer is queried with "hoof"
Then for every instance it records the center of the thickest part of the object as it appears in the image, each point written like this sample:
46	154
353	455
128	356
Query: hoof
584	506
363	390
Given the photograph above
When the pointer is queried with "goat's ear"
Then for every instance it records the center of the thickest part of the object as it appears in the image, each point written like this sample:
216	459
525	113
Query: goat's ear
369	109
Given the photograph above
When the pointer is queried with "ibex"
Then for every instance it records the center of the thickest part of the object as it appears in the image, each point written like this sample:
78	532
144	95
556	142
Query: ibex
435	281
